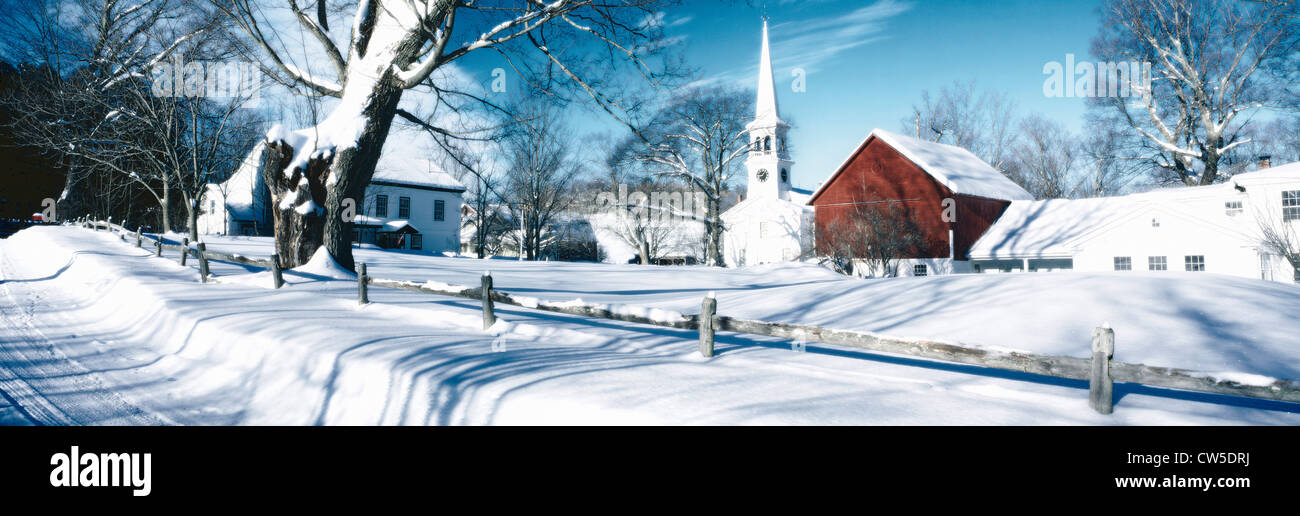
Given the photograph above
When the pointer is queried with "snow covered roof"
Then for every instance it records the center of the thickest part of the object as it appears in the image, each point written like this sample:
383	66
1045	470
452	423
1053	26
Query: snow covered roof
800	195
241	185
954	167
396	225
1049	228
1059	227
406	161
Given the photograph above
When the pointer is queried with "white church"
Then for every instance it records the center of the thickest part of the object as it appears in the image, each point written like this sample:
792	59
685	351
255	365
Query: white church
773	222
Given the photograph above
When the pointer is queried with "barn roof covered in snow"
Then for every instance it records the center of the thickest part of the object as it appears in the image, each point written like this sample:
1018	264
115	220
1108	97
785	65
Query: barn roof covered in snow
953	167
1059	227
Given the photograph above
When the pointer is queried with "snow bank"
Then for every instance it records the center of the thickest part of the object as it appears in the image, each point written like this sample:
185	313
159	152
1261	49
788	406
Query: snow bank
322	264
305	354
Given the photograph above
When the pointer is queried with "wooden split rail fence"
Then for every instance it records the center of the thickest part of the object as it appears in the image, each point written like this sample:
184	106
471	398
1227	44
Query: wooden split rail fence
1100	370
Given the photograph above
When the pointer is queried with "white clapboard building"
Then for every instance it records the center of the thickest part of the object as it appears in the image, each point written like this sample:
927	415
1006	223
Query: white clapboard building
409	204
1215	229
773	222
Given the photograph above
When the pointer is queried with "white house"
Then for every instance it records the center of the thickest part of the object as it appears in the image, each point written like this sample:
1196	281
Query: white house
773	223
409	204
1213	228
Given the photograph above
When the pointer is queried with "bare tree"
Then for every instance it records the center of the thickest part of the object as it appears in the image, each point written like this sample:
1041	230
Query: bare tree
396	45
1278	234
541	170
1044	160
871	239
980	121
1107	162
94	55
1210	73
482	195
700	138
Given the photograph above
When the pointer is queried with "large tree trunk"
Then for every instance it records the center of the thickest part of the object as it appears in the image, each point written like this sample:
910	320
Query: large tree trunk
354	167
297	236
340	168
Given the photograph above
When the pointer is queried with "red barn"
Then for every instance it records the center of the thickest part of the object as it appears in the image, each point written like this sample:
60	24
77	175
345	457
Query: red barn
893	170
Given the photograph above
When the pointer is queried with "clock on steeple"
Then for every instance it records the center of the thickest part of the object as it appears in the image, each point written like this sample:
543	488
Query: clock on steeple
768	133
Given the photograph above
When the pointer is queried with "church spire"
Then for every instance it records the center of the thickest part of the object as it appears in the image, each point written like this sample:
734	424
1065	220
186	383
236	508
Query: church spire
766	110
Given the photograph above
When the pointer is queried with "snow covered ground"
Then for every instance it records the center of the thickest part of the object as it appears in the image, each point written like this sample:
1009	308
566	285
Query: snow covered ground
95	331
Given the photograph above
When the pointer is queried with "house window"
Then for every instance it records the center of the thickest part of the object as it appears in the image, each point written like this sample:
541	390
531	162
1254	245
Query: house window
762	230
1291	205
403	207
920	270
978	269
417	242
1123	263
439	209
381	205
1195	263
1233	208
1157	263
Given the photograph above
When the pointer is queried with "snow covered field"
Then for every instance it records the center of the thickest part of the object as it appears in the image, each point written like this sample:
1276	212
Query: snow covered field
95	331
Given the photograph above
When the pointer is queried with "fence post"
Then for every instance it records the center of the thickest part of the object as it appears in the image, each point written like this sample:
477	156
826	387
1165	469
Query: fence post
363	297
203	261
139	241
1100	382
276	274
489	311
707	311
185	250
157	247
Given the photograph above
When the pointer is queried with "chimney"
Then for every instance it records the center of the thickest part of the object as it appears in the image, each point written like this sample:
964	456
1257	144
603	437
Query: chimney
1265	162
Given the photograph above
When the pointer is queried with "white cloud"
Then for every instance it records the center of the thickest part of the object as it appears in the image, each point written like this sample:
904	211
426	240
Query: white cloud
810	43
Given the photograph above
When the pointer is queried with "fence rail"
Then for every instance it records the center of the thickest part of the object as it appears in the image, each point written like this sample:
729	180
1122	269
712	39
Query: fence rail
1101	370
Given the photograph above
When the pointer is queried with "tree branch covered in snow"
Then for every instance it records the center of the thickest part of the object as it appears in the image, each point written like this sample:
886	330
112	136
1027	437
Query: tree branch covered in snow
1214	64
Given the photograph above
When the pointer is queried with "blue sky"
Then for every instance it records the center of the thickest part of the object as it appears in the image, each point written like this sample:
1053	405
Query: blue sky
867	62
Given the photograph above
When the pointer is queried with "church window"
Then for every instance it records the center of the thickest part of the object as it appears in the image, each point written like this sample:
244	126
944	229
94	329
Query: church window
758	144
767	143
762	230
785	175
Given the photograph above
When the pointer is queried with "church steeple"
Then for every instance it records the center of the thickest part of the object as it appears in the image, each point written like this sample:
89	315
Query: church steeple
768	162
766	108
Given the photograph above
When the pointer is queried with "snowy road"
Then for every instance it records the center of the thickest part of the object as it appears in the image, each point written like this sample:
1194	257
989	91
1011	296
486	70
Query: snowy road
117	336
42	380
